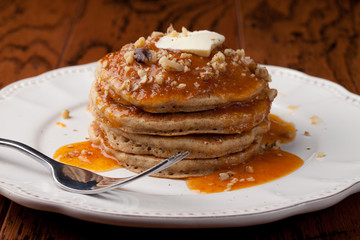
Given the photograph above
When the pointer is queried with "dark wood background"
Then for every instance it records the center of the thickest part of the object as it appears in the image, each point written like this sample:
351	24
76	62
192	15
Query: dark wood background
320	38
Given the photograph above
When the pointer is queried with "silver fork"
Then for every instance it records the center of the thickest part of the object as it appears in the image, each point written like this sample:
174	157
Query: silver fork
79	180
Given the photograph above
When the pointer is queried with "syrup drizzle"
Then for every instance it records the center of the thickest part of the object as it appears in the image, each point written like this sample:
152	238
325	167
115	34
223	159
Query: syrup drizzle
271	164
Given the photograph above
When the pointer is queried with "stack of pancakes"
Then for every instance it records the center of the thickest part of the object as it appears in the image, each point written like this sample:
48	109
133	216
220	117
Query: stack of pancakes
150	103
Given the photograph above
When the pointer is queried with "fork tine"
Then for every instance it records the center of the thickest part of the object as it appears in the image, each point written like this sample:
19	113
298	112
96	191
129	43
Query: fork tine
172	160
165	164
109	182
157	168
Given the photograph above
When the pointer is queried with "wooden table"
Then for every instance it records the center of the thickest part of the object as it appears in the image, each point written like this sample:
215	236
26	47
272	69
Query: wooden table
321	38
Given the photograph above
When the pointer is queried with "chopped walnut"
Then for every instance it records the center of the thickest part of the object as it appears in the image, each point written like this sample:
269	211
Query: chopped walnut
154	56
262	73
231	184
126	68
185	55
185	32
272	93
129	57
156	34
229	51
275	145
140	42
249	169
226	175
218	62
65	114
72	154
181	85
207	73
170	65
235	55
161	53
250	64
143	76
125	85
104	63
84	152
320	155
172	32
142	55
159	78
240	53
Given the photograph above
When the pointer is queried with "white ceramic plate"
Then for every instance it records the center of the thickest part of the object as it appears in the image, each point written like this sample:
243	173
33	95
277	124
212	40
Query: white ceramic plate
31	108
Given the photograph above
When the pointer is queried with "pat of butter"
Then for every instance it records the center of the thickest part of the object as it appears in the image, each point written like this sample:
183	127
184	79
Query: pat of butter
200	43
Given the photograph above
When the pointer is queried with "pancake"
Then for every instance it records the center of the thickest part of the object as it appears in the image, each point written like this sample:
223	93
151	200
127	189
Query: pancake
198	84
199	145
231	119
185	168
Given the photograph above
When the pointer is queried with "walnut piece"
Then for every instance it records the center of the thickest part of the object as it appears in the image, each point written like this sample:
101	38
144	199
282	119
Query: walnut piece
143	75
129	57
142	55
159	78
140	42
218	62
249	169
170	65
65	114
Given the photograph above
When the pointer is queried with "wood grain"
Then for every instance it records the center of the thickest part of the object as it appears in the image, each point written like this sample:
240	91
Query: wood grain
320	38
4	206
126	21
32	36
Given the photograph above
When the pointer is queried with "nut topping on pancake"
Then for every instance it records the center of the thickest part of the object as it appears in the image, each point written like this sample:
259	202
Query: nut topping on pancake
165	80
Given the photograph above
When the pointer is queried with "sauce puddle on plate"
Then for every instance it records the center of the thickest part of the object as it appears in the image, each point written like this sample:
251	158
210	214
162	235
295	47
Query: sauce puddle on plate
271	164
86	155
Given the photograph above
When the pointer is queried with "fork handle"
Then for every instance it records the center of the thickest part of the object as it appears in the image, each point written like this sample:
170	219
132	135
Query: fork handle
40	157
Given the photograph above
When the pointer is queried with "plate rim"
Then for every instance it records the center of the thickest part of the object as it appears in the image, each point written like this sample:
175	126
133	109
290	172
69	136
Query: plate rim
31	201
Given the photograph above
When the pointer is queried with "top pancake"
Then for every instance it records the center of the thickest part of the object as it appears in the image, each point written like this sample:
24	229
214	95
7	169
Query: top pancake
159	81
